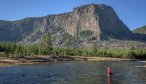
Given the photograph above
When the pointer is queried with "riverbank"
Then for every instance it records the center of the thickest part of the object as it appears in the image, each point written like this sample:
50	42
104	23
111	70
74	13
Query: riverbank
4	61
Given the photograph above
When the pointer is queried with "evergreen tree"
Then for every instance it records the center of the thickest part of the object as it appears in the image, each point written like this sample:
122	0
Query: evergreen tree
94	49
46	44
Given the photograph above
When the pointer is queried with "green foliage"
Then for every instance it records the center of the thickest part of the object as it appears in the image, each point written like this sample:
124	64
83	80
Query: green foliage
46	43
55	30
66	36
17	50
86	33
140	30
135	54
68	40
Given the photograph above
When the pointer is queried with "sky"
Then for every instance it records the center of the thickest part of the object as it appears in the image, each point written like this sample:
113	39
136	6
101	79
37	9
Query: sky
131	12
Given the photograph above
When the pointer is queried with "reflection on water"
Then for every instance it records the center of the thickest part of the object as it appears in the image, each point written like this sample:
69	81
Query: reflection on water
108	80
78	72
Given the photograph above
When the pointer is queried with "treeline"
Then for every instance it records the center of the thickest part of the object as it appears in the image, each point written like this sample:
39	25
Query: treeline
134	54
44	48
17	50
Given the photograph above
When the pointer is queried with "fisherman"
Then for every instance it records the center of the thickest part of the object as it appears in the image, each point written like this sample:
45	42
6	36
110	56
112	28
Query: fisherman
109	73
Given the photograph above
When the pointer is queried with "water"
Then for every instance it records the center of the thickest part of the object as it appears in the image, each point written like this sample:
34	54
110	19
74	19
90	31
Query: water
77	72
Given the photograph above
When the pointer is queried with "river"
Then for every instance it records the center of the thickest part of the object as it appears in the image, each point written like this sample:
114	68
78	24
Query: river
75	72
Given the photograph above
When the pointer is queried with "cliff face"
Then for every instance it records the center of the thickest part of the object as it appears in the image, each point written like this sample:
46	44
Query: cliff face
81	27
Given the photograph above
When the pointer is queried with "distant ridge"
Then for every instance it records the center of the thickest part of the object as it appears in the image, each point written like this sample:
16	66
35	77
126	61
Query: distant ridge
141	30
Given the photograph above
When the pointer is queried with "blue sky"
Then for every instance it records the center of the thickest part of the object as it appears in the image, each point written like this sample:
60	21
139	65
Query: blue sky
131	12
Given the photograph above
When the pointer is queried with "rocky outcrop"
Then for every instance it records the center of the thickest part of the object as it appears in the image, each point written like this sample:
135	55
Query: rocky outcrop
83	26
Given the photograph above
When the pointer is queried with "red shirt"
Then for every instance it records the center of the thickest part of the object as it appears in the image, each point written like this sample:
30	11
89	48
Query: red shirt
109	71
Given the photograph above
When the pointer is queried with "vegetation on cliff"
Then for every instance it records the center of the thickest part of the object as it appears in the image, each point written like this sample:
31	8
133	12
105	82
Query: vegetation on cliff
141	30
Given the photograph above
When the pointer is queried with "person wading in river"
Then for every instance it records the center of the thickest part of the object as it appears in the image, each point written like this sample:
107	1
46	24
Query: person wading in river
109	73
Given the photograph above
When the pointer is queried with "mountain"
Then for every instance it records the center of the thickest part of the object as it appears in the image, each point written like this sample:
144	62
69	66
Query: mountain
83	27
140	33
141	30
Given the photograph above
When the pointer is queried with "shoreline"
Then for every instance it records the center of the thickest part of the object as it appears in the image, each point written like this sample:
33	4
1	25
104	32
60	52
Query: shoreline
4	61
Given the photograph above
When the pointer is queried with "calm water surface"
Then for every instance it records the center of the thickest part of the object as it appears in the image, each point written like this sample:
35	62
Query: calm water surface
76	72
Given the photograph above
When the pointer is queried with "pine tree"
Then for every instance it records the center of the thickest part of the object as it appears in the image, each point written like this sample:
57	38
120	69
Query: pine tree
46	44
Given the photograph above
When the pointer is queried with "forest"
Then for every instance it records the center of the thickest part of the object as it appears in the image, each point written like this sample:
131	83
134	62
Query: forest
10	49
